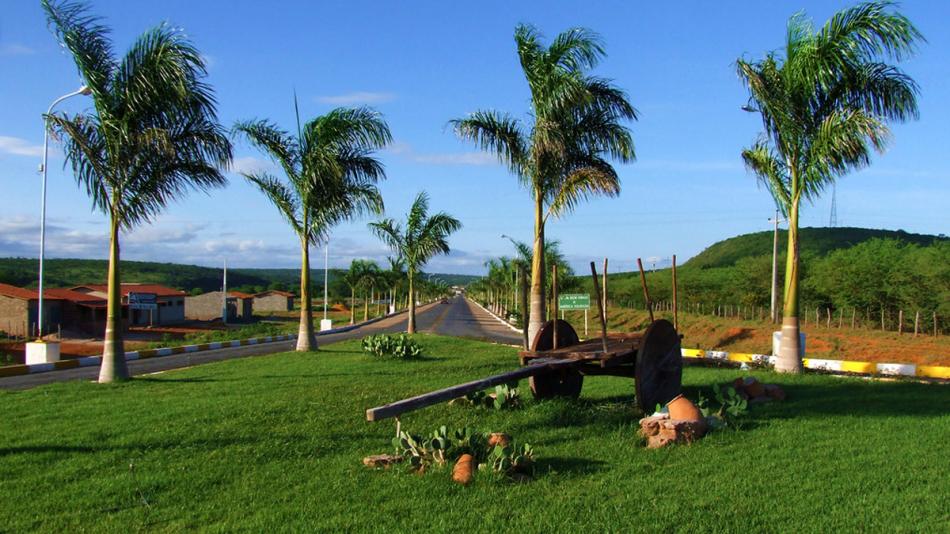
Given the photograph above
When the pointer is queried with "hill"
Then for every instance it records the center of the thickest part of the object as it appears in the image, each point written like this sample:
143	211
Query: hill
73	272
813	242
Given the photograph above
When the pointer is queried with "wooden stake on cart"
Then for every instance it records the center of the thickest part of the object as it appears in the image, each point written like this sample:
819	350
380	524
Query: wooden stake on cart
554	303
604	295
646	292
600	307
676	324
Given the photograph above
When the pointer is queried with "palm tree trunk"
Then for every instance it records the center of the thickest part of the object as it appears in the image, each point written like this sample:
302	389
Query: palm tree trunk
537	313
365	306
352	305
789	358
113	366
411	328
306	340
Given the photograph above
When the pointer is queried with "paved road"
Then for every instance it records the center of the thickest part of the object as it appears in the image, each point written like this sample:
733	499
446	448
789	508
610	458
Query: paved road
458	318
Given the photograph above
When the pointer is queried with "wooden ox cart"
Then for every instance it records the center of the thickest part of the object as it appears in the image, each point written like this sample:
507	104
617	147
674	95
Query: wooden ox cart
652	358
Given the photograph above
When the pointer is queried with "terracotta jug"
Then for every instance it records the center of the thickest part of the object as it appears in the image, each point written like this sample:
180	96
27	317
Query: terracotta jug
682	408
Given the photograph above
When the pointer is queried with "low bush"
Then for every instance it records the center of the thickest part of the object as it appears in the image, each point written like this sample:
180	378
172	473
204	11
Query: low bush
396	346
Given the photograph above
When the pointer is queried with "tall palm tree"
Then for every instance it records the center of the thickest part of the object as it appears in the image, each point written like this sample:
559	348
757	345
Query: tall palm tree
355	278
423	237
561	157
825	103
396	276
368	281
152	135
331	176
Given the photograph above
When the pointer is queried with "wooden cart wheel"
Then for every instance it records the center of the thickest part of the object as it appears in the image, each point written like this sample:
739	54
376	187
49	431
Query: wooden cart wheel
562	383
659	367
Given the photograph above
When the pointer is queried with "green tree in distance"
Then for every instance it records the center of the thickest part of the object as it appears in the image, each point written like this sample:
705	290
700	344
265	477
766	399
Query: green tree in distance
152	135
331	176
423	237
825	103
561	157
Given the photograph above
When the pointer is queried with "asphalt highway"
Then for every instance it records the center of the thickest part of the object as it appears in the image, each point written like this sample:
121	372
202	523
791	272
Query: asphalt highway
457	317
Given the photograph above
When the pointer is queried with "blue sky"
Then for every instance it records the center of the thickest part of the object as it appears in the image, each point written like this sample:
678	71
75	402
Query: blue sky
423	63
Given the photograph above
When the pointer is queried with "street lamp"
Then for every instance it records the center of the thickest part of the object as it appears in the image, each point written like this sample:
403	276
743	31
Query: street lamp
774	304
85	91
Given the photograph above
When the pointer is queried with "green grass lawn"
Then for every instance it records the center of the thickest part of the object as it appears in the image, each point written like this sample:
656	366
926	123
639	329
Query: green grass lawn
275	443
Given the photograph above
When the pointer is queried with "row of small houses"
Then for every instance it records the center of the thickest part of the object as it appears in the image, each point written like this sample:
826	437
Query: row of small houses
82	309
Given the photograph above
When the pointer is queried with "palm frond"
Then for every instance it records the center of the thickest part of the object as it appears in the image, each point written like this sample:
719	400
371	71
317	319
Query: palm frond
280	195
771	173
88	41
497	133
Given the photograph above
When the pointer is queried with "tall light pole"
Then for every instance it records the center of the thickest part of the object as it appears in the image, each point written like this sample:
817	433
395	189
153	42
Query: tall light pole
514	274
774	306
84	90
326	276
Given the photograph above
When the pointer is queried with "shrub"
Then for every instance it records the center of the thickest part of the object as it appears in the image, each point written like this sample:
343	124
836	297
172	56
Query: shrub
398	346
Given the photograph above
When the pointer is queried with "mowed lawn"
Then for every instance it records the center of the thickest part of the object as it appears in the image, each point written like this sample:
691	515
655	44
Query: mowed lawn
275	443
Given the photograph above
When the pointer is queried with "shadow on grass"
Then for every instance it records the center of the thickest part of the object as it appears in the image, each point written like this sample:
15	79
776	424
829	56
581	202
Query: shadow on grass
569	467
847	396
142	447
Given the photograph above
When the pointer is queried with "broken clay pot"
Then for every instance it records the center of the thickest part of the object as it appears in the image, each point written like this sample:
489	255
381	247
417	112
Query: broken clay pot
682	408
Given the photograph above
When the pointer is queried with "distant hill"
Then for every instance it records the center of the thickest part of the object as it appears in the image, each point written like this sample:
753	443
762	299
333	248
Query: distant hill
73	272
813	242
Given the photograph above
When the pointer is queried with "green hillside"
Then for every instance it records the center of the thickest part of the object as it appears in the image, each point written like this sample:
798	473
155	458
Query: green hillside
190	278
813	242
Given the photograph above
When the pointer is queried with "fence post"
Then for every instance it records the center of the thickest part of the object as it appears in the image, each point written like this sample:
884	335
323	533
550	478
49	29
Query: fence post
852	318
935	324
900	321
829	317
916	322
882	319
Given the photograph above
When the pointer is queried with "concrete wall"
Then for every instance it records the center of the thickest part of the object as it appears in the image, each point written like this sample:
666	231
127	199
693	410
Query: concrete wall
18	316
273	303
207	307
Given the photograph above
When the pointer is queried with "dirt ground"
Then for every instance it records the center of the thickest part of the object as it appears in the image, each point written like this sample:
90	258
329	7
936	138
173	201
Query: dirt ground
736	335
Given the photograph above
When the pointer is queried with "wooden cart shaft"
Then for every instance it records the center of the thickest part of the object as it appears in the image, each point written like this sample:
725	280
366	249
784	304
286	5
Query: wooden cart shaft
444	395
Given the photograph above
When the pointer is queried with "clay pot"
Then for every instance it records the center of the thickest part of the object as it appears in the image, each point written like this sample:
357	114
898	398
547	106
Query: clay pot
683	409
464	469
499	438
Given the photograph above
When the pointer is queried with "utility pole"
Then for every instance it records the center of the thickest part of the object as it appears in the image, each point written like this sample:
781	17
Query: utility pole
224	294
774	305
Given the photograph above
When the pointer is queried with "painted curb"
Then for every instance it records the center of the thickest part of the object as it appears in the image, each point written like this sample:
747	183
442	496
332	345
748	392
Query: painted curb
835	366
90	361
499	319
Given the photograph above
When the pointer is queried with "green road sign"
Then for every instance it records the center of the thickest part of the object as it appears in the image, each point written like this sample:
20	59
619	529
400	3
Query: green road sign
573	301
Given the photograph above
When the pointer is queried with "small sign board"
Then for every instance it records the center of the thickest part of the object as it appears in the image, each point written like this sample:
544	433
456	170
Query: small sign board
143	301
573	301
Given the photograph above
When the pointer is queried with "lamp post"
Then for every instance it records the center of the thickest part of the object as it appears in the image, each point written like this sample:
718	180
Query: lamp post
514	274
774	304
84	90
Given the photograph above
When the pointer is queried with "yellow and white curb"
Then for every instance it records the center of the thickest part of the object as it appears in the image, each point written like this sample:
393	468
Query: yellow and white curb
91	361
835	366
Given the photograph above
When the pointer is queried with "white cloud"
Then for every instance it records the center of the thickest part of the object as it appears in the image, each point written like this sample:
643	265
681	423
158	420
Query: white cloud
405	150
19	147
356	97
250	165
14	49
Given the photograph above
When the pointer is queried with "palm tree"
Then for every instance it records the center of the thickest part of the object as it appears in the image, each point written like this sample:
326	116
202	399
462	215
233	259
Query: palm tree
825	103
355	278
561	156
368	281
423	237
331	175
152	135
395	276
